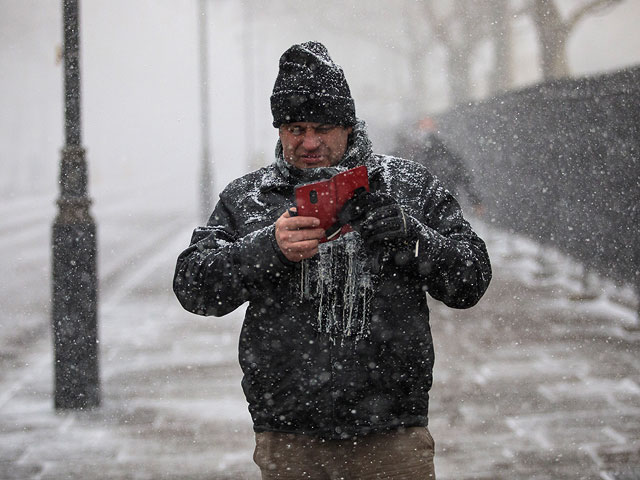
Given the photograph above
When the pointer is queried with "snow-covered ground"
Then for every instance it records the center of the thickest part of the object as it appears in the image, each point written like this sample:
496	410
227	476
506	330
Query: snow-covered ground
540	380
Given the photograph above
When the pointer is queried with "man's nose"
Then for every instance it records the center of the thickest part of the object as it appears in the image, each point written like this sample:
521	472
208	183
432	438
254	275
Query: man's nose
311	139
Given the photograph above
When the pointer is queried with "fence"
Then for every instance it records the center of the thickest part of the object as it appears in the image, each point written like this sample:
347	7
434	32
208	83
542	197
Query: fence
559	162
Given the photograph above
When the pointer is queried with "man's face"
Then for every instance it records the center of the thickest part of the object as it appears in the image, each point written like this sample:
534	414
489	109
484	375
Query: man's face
312	145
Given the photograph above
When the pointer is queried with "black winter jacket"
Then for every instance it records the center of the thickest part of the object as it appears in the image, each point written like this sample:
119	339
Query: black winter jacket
313	362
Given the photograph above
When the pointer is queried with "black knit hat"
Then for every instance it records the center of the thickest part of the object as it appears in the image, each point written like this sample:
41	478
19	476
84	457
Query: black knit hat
310	87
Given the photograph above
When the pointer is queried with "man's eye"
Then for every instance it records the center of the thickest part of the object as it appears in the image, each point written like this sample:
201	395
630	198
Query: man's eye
324	129
295	130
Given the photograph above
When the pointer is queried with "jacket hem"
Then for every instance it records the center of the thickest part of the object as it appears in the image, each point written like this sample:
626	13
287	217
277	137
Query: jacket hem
346	432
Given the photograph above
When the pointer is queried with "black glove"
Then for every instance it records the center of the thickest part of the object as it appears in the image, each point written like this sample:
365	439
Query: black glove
377	217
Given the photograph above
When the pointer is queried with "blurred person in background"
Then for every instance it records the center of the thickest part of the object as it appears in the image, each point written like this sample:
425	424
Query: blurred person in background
335	347
428	148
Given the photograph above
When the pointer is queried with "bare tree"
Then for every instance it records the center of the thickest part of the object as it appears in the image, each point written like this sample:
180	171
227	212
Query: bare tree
459	28
554	31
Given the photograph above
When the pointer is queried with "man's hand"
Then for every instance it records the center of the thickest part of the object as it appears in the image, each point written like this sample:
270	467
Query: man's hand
298	237
377	217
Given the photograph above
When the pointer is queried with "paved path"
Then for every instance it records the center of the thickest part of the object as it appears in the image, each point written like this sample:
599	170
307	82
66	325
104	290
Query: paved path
539	381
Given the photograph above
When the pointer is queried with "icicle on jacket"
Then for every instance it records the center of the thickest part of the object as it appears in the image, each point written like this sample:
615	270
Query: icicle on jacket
301	375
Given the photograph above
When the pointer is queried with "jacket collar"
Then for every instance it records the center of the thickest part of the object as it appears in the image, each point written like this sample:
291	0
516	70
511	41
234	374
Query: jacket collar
272	179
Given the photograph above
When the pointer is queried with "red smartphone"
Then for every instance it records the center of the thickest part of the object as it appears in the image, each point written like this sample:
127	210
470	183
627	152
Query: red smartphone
324	199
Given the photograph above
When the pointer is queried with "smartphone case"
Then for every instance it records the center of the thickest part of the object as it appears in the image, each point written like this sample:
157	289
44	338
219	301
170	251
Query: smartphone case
324	199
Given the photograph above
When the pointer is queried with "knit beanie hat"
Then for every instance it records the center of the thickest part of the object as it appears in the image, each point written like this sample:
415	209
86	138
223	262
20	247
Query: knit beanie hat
310	87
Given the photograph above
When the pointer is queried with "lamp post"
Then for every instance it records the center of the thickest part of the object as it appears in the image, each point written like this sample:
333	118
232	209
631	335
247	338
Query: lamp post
248	85
206	189
74	251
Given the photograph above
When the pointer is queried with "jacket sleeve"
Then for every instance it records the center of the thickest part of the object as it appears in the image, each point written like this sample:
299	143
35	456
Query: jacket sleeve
220	271
446	254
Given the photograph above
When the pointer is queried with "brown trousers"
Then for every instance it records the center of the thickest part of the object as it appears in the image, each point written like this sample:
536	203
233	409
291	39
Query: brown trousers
405	454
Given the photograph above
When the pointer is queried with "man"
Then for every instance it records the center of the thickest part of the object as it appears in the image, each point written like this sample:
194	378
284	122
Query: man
335	347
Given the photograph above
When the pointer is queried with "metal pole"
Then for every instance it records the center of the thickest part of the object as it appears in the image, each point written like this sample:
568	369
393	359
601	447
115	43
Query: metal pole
249	85
206	180
75	285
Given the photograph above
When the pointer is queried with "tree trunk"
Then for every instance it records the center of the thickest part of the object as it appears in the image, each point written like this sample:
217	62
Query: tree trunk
416	101
460	46
552	34
502	75
458	67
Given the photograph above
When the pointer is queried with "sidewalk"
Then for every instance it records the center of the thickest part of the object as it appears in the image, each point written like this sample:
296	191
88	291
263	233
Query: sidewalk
539	380
536	382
